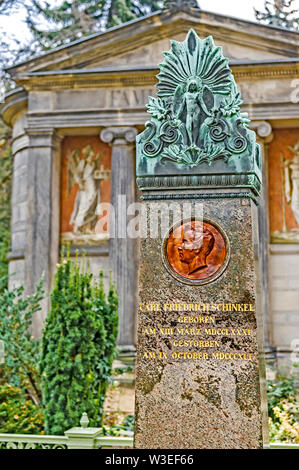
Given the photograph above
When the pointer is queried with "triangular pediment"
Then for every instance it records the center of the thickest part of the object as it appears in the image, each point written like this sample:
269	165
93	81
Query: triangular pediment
152	54
140	43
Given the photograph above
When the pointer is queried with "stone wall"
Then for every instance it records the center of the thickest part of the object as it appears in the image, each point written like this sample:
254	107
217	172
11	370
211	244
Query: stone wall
284	288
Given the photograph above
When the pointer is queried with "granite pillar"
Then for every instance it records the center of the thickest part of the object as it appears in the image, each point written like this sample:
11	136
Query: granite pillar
123	250
200	373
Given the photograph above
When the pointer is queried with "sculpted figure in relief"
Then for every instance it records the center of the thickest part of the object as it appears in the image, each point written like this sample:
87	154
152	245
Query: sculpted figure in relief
195	247
191	101
84	216
195	250
290	194
292	182
85	173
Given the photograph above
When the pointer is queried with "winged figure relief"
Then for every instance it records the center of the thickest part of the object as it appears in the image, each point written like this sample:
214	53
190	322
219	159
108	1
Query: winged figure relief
292	181
86	174
290	195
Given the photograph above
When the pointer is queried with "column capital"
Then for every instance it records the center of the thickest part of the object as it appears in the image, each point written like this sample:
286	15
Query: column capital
263	130
119	135
38	131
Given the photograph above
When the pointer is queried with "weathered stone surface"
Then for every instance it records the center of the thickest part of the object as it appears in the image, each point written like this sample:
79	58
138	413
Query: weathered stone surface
201	403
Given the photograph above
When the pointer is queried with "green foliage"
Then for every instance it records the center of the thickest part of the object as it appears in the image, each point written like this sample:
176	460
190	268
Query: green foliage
6	6
20	390
281	388
128	423
281	13
18	414
5	195
22	351
117	429
72	20
122	370
78	348
283	409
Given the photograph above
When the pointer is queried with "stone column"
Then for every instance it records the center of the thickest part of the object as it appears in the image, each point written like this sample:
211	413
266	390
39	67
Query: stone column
18	204
42	231
123	252
264	136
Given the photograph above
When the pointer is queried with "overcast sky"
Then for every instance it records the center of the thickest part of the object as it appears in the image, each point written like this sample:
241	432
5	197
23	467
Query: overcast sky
238	8
14	24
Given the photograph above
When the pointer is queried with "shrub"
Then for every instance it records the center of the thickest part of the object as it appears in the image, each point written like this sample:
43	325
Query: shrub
283	410
78	348
118	429
20	387
22	351
18	413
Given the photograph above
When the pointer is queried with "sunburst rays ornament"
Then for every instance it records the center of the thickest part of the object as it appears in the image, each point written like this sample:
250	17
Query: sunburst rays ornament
194	62
196	118
190	70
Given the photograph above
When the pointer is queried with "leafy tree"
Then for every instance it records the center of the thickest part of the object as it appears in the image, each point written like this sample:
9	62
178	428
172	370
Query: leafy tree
74	19
7	6
282	13
78	348
12	48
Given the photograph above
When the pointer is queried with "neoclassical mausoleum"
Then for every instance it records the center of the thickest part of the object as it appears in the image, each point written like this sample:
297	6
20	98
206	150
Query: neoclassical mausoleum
75	114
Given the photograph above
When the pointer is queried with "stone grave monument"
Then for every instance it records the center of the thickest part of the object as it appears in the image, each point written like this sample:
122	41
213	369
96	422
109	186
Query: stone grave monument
200	379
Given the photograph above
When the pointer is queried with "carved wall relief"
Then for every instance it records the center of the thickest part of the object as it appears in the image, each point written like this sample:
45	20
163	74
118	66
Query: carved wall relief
284	186
86	168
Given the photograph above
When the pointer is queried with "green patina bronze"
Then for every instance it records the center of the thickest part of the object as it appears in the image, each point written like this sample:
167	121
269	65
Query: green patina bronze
197	135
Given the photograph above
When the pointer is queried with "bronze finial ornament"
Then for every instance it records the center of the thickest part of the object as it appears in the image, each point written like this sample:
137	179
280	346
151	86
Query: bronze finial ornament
197	127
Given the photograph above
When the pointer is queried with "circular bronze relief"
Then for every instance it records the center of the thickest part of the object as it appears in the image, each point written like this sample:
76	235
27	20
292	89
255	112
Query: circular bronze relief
196	252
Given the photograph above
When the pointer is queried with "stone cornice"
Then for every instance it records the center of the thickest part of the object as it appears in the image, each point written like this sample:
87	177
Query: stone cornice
16	102
101	78
138	116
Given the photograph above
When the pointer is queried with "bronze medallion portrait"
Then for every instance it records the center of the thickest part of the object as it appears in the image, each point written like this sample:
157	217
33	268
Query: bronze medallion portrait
196	252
